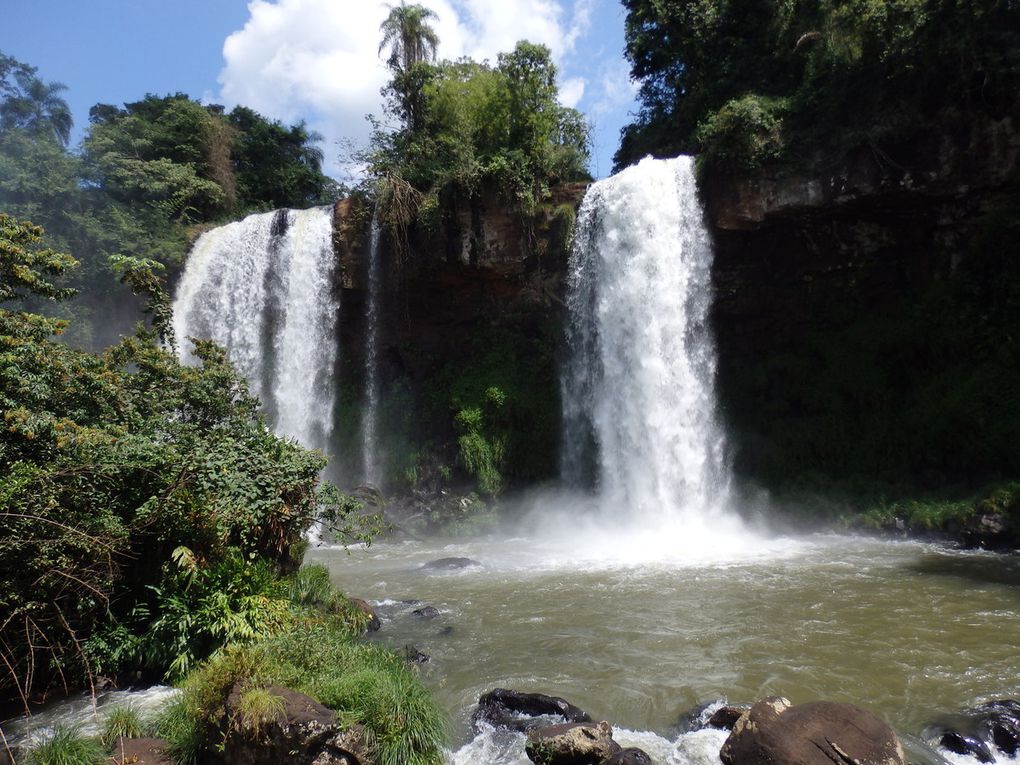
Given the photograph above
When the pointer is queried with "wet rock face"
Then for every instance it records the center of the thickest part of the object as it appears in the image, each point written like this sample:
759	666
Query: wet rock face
819	733
512	710
304	733
572	744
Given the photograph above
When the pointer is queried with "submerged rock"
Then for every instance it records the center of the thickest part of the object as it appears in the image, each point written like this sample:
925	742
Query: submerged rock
450	564
571	744
413	656
959	743
304	732
513	710
819	733
427	612
1002	722
629	756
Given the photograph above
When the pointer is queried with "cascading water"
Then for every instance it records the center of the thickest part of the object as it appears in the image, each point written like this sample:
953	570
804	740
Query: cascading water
263	288
639	405
370	414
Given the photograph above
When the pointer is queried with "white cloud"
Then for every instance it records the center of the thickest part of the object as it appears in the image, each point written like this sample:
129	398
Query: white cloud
572	91
319	59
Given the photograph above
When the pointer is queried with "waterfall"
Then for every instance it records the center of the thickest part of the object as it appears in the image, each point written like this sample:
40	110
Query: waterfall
370	413
639	405
263	288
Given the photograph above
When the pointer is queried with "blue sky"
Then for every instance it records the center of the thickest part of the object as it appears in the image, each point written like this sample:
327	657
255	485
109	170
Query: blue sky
315	60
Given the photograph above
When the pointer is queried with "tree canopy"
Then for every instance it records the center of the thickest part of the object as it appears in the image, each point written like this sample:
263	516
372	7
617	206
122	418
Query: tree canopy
748	81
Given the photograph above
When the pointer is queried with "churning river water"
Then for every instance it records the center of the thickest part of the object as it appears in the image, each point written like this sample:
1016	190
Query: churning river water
636	635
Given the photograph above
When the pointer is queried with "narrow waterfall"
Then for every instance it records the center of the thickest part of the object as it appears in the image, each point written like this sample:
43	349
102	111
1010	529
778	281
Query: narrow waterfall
263	288
639	404
370	413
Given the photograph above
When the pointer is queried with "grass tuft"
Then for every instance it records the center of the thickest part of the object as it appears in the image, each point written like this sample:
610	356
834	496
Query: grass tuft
121	722
67	745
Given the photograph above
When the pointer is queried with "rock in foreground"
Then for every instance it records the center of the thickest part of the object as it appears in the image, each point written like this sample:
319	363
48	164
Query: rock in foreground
572	744
302	732
513	710
773	732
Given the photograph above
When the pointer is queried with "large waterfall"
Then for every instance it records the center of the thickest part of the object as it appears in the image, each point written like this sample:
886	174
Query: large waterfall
263	289
639	404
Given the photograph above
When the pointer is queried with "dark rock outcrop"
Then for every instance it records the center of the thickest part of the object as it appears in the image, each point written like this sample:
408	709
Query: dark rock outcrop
1001	721
968	745
412	655
571	744
818	733
726	717
426	612
303	733
513	710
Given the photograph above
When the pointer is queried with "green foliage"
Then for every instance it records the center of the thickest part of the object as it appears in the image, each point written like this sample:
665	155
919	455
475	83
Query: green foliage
121	722
67	746
180	725
746	133
145	505
469	126
364	683
28	103
200	608
850	72
24	266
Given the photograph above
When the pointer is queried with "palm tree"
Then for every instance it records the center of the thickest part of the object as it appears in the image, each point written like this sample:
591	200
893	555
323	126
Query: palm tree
36	106
406	32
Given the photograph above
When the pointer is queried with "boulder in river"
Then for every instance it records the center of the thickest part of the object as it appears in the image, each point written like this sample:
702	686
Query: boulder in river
450	564
571	744
301	732
629	756
426	612
773	732
513	710
960	743
1001	720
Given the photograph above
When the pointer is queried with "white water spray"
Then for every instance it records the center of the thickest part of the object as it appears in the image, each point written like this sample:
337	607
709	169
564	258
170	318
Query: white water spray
263	288
639	404
370	414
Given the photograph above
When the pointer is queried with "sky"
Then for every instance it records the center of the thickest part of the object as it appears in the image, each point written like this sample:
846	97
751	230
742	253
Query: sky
312	60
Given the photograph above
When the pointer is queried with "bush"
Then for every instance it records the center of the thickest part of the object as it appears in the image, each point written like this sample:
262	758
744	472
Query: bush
745	134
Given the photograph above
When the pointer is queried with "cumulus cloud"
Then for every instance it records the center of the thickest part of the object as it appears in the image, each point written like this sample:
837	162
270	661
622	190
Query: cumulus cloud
318	60
572	91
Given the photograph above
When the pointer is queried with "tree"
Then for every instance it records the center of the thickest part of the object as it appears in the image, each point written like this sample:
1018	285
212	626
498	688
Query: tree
29	103
406	32
412	43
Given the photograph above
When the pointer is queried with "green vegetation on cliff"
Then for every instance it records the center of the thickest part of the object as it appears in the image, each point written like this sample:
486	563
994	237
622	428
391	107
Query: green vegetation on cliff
744	82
